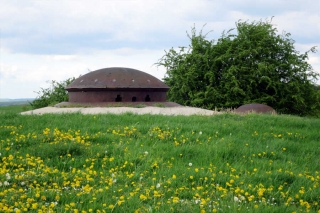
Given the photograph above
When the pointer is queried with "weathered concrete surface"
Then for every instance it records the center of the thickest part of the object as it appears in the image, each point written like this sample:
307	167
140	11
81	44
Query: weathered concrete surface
120	110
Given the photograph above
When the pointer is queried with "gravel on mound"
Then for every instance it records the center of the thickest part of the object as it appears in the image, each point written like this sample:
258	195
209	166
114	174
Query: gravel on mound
116	104
120	110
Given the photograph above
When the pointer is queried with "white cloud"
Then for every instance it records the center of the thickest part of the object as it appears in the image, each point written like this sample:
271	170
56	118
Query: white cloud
8	71
314	60
28	72
55	40
300	24
60	57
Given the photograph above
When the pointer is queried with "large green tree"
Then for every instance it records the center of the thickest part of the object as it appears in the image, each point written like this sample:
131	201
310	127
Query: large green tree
255	64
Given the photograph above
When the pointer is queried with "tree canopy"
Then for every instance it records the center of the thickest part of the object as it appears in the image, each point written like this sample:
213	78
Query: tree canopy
253	65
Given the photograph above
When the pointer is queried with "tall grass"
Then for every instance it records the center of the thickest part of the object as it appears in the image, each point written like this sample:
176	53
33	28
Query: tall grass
154	163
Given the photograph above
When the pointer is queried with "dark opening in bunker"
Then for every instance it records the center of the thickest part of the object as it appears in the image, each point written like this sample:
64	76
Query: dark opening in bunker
118	98
147	99
134	99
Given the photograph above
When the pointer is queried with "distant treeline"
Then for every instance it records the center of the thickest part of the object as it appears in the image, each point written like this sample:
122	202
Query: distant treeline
10	102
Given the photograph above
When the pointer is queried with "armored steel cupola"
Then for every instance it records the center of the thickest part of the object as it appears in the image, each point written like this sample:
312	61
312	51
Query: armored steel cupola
117	84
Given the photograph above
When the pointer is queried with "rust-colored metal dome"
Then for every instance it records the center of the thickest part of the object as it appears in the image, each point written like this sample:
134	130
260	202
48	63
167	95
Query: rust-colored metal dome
258	108
117	84
116	78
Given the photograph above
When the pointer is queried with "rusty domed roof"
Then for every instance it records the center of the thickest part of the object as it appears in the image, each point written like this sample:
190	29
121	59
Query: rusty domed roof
254	107
116	78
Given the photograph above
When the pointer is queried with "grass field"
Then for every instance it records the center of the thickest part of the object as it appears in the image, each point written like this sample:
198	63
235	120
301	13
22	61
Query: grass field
154	163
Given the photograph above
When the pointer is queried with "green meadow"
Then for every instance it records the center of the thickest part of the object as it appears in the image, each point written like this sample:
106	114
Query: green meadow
155	163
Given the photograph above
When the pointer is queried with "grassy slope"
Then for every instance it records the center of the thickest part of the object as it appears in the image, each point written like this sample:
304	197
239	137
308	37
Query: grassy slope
15	108
123	163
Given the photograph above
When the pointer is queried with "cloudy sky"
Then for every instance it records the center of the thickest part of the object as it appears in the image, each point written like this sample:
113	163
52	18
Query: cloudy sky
44	40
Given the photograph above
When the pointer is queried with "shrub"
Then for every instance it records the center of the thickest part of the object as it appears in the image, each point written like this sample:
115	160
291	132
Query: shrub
53	95
255	64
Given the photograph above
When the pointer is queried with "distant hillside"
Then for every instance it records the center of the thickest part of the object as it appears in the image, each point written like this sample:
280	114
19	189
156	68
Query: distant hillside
14	100
19	101
5	99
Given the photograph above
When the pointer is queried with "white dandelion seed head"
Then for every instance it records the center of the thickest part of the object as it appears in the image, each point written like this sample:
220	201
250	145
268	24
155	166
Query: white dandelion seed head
158	185
146	152
190	164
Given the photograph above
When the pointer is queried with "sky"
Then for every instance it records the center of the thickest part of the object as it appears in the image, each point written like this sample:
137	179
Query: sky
45	40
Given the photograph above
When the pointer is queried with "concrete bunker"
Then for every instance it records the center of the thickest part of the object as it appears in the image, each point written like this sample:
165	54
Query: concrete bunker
117	84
